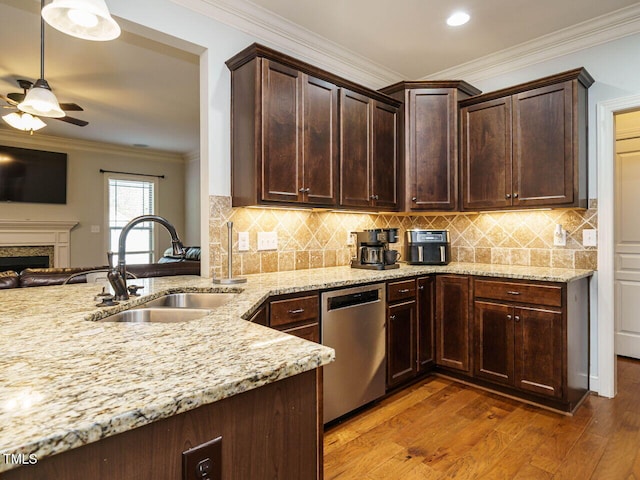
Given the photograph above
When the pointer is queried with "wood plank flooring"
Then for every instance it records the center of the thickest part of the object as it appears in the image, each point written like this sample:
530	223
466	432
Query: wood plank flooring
440	429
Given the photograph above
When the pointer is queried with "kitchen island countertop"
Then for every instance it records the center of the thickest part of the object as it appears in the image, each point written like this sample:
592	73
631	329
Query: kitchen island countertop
68	381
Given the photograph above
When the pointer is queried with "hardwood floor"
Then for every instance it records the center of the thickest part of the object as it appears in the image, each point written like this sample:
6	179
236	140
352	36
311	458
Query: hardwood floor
439	429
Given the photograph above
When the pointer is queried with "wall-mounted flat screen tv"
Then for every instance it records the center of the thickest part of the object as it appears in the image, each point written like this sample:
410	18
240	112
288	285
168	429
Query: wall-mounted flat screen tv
32	176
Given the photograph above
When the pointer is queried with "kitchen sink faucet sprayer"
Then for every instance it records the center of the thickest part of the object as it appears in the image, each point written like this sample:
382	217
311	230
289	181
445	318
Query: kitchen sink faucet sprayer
118	276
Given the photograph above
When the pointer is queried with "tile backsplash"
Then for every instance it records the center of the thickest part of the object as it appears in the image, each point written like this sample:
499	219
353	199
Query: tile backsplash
312	239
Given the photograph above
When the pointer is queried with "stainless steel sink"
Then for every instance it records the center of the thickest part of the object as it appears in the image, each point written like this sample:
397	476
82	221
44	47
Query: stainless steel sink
190	300
156	315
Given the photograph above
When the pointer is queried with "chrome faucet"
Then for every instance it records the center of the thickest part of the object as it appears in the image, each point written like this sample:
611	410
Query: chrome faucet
118	276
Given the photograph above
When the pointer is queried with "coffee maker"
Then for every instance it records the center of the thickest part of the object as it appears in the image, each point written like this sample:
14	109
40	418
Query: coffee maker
373	251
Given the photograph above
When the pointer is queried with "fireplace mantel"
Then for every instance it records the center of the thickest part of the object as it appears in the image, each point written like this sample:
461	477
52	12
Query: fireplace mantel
56	233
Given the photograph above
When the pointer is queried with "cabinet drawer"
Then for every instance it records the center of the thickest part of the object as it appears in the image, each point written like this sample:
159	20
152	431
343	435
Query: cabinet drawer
519	292
404	290
309	332
294	310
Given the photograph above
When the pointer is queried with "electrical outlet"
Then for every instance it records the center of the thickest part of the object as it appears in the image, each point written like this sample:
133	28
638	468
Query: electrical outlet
267	240
203	462
559	236
589	237
350	238
243	241
95	228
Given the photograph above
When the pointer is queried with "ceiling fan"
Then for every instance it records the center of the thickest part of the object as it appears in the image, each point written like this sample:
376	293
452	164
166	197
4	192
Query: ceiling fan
37	99
15	98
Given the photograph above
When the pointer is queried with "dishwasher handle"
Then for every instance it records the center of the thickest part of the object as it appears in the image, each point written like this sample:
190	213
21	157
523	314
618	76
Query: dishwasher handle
352	299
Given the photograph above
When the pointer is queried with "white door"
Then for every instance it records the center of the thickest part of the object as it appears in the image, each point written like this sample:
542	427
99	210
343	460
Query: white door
627	248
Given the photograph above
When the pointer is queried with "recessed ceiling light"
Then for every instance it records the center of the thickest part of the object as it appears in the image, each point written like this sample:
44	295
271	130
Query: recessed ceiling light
458	18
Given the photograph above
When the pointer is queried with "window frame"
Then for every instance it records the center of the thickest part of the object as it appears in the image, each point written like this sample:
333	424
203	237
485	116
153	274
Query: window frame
107	227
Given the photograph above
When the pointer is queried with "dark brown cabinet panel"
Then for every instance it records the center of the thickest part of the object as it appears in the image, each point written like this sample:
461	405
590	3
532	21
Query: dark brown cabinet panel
486	154
410	329
368	152
384	156
539	350
543	146
281	96
287	147
401	353
320	141
526	146
429	152
355	149
452	322
534	338
494	334
426	322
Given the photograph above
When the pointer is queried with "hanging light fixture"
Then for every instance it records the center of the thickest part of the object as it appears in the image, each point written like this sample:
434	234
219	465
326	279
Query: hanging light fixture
40	100
24	121
86	19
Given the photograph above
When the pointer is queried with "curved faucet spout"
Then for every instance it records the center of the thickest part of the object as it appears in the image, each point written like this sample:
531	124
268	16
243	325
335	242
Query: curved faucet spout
178	248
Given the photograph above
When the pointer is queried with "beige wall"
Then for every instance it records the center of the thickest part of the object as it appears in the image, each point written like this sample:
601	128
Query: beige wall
192	200
85	189
312	239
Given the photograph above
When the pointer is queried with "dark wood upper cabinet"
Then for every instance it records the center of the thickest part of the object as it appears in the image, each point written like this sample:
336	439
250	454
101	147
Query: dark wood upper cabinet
368	152
285	139
429	150
526	146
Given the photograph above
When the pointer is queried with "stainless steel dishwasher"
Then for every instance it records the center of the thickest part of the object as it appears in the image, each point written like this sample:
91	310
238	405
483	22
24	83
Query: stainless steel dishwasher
353	324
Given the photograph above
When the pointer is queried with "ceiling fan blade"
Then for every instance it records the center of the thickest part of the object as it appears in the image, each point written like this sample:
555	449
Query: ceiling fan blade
73	121
71	107
10	99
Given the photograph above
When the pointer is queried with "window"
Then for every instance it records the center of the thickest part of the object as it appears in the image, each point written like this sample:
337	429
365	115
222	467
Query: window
130	197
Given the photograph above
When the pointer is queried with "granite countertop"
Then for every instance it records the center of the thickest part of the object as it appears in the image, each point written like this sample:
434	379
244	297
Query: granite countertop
68	381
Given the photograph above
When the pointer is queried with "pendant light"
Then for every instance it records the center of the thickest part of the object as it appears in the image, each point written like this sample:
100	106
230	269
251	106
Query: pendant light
24	121
40	100
86	19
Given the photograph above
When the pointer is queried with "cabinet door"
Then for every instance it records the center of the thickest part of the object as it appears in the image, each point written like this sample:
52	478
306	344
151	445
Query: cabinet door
355	149
452	322
486	154
543	156
494	334
320	141
432	175
281	160
426	320
401	354
538	351
384	156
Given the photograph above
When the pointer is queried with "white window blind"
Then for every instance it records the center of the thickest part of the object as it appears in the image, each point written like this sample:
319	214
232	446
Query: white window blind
128	199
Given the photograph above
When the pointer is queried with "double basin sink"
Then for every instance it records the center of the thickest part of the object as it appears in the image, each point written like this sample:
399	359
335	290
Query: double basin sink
172	308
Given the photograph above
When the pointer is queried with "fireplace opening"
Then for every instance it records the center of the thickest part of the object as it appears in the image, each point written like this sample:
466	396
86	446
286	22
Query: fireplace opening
18	264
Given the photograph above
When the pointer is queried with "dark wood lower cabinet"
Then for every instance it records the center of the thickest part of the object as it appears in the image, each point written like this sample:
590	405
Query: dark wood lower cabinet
269	432
401	344
494	333
425	337
452	322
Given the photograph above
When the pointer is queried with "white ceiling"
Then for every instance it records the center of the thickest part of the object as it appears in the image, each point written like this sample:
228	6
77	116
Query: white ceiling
139	91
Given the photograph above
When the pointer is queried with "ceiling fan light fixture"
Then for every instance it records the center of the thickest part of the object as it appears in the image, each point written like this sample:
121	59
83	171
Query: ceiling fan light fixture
86	19
41	101
24	121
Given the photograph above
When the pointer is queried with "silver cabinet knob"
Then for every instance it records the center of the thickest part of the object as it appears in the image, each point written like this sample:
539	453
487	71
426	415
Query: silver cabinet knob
508	195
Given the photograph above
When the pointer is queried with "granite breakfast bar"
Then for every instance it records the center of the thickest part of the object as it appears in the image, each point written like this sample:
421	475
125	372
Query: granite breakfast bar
70	384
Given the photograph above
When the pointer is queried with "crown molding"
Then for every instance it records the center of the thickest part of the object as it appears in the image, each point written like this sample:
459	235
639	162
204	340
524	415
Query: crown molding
590	33
298	41
38	140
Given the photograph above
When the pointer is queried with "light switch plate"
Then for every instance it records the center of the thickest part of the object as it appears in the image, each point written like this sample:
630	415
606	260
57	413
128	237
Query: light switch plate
243	241
95	228
589	237
267	240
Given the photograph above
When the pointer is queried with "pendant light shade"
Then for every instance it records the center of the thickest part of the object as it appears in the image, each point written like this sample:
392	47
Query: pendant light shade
24	121
41	101
86	19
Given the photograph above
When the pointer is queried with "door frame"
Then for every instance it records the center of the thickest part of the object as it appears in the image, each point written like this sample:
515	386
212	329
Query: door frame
604	278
